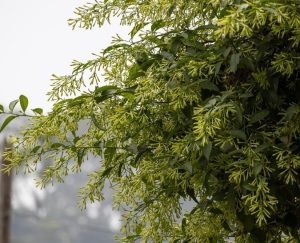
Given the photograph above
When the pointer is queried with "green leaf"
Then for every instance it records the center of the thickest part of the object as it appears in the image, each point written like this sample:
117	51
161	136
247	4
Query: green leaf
12	105
291	112
216	211
226	52
175	44
239	114
6	122
23	102
132	148
249	187
106	172
1	109
35	149
136	29
207	27
120	169
109	153
246	95
100	90
207	150
117	46
57	145
157	25
80	154
96	122
259	116
171	9
217	67
247	221
206	84
105	92
226	226
238	134
234	61
211	103
77	101
38	111
257	168
167	55
188	166
183	224
135	71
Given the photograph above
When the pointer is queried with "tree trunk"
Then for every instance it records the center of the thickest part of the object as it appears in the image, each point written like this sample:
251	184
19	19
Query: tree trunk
5	203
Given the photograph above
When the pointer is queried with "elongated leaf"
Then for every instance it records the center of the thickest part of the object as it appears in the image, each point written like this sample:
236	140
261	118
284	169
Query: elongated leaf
132	148
109	154
57	145
80	155
157	25
183	224
207	150
226	52
12	105
226	226
6	122
238	134
167	55
106	172
239	114
77	101
207	27
105	92
171	9
206	84
35	149
112	47
217	67
135	71
136	29
234	61
99	90
246	95
96	122
249	187
38	111
216	211
257	168
1	109
23	102
259	116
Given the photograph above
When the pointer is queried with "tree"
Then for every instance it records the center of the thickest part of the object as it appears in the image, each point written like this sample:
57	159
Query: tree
200	104
5	202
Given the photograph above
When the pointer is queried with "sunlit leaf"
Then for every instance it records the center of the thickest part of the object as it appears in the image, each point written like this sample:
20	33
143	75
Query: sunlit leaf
23	102
12	105
6	122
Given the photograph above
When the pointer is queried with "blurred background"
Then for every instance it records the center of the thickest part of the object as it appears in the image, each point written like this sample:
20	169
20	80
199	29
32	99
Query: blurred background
36	42
53	215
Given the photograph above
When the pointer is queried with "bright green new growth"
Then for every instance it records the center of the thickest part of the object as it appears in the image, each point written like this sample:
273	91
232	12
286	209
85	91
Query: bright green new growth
202	106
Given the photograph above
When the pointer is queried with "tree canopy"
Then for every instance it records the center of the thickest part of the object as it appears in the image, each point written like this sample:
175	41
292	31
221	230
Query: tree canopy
201	103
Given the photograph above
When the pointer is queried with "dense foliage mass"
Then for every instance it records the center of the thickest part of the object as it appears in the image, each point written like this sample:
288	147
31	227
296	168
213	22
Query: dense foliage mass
202	103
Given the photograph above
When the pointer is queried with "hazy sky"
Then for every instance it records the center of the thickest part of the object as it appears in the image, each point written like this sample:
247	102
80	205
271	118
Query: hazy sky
36	42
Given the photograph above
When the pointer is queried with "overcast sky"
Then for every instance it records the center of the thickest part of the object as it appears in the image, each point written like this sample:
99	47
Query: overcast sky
36	42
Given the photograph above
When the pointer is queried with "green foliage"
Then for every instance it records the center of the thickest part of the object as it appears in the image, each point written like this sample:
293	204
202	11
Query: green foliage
201	104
